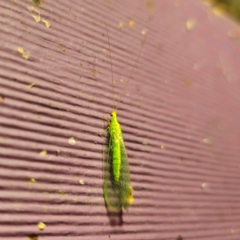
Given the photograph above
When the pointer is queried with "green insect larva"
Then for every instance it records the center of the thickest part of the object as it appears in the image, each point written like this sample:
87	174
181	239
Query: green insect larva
117	189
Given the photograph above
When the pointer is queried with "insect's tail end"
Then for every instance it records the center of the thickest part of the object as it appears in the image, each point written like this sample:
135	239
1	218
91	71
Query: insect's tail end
129	199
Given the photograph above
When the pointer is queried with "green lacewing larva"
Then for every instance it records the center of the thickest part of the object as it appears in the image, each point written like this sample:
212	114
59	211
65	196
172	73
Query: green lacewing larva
117	189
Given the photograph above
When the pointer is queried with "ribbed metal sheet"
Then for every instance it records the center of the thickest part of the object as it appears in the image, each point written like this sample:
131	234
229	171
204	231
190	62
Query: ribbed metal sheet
180	119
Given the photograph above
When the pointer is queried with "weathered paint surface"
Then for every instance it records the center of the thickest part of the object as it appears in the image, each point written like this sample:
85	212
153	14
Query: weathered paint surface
180	119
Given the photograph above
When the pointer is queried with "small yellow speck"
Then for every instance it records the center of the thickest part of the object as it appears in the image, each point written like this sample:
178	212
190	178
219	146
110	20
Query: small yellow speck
41	225
71	141
47	24
131	23
190	24
22	52
163	147
58	151
45	208
32	180
144	31
120	25
31	85
145	142
43	153
187	82
207	141
81	182
37	18
205	186
61	192
121	80
104	50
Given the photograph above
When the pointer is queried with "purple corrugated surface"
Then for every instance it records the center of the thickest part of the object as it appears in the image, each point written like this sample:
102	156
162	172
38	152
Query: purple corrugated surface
184	96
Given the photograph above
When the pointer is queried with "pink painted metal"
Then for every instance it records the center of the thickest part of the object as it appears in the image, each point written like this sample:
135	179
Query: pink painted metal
180	119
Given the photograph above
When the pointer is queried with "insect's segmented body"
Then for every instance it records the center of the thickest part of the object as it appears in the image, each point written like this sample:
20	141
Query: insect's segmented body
116	136
118	192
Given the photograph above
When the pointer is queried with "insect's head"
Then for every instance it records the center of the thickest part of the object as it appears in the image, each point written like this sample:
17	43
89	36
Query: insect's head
113	114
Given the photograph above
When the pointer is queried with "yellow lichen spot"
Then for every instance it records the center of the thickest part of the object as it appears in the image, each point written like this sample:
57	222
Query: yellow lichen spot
41	226
37	18
163	147
71	141
144	31
43	153
31	85
47	24
190	24
81	182
120	25
32	180
22	52
2	99
131	23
